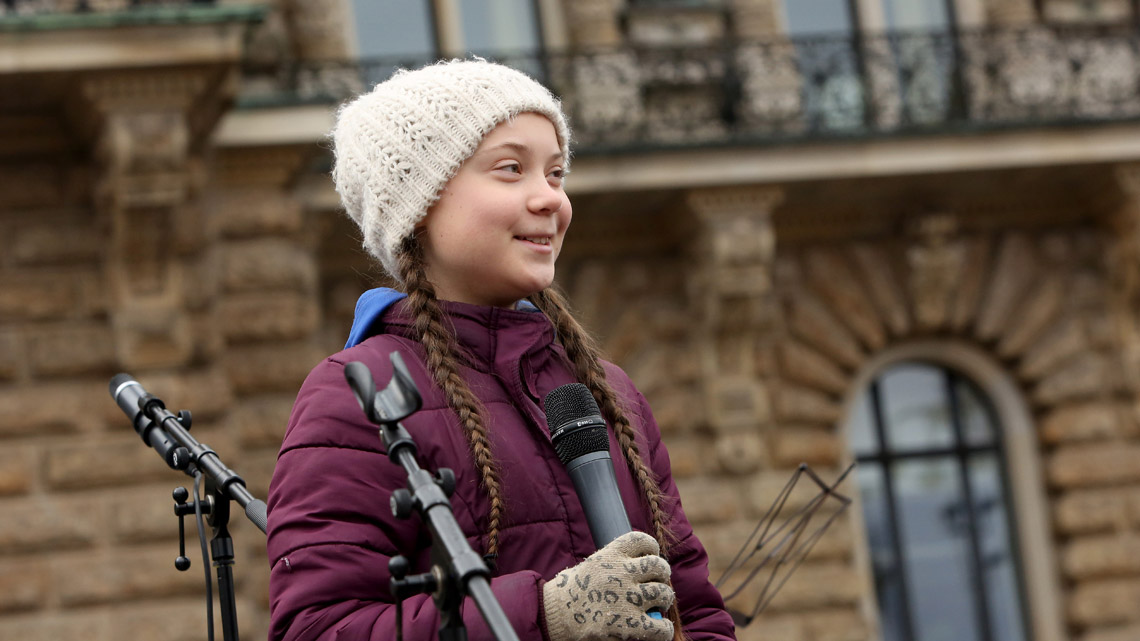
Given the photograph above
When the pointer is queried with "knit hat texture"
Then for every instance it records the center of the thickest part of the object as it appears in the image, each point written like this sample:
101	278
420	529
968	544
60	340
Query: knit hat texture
398	145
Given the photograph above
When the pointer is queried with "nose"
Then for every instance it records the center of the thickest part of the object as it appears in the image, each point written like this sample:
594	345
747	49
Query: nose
545	198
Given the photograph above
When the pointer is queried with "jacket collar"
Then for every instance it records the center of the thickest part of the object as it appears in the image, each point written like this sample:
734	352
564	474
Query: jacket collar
488	335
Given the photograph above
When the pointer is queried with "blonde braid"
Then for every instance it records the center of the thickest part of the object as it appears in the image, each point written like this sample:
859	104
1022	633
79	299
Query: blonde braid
585	356
439	345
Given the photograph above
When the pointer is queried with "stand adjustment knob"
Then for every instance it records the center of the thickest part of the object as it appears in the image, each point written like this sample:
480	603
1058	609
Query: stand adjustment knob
445	478
181	495
402	503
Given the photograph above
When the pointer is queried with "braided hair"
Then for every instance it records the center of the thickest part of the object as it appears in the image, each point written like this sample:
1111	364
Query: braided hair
584	354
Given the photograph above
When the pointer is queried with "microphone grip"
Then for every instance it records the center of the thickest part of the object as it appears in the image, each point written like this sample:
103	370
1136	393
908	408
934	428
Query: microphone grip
593	477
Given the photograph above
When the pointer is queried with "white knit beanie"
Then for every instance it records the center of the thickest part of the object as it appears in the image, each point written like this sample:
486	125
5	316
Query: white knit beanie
398	145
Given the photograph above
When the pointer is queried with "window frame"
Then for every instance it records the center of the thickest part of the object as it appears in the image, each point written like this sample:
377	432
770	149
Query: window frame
1038	566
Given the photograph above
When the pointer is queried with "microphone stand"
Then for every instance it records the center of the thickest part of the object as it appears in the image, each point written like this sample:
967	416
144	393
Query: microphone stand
181	451
456	571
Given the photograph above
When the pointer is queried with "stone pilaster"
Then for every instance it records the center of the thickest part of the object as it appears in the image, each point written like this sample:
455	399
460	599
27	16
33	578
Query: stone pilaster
594	24
149	174
317	28
1124	271
734	290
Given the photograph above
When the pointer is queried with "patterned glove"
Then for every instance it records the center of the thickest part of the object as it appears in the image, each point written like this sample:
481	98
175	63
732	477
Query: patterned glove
607	595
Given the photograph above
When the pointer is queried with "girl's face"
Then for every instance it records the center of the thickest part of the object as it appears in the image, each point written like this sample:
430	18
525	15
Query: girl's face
497	228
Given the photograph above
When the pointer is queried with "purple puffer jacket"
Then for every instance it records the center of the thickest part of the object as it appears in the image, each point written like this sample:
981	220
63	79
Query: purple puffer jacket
330	529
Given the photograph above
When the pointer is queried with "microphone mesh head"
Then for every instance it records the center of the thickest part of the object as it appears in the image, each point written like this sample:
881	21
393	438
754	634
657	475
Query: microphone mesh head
570	404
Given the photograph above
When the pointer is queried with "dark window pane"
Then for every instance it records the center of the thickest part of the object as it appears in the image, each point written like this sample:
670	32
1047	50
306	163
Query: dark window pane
977	423
394	28
937	549
995	547
917	14
915	408
884	561
813	17
861	427
499	26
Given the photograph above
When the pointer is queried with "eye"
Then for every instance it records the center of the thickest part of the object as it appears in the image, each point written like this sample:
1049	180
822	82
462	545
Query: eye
557	174
512	167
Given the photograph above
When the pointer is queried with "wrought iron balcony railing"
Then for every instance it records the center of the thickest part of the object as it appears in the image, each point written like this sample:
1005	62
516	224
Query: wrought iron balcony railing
802	88
46	7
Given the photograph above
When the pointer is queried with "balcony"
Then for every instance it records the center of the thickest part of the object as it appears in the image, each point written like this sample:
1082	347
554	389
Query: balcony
783	90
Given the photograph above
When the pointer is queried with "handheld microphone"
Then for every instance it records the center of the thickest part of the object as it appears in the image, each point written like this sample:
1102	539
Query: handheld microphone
578	432
582	442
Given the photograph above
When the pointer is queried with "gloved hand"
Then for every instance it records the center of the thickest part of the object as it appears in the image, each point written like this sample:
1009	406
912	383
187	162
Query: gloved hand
607	595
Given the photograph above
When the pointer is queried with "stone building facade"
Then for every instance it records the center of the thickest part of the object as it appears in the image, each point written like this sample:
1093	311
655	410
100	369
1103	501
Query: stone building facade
158	217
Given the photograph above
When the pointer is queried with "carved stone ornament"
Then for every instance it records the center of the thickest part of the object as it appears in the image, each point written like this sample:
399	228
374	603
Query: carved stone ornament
936	260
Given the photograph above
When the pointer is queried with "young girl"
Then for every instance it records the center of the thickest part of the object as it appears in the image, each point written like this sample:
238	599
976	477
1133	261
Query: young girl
454	173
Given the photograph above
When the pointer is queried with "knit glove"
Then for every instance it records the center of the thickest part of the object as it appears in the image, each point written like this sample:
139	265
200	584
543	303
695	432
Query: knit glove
607	595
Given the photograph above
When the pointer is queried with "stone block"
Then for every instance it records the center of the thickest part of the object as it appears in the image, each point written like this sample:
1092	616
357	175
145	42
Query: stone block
1102	556
170	620
260	421
1083	422
261	317
113	576
1097	510
819	585
271	367
121	460
13	354
257	470
17	470
201	278
152	335
33	524
257	212
1034	315
205	392
875	270
59	240
1115	633
740	453
691	455
834	277
972	283
1059	343
53	626
1104	602
813	323
145	514
1090	465
71	350
1014	270
1087	375
801	364
38	295
736	404
267	265
768	627
50	407
841	624
677	411
797	444
709	501
23	584
801	404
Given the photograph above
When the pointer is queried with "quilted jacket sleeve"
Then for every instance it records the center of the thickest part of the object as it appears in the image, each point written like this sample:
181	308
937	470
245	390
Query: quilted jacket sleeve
331	533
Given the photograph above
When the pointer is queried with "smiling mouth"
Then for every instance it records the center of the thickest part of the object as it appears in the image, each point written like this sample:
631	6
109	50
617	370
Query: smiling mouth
537	240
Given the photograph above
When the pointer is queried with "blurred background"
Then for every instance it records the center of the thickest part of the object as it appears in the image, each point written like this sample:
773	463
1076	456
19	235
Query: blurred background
902	233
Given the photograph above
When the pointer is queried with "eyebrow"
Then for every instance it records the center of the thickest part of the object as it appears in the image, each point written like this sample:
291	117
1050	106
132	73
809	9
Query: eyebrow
520	148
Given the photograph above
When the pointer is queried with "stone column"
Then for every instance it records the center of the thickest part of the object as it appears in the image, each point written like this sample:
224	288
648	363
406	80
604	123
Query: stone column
757	19
594	24
733	286
318	28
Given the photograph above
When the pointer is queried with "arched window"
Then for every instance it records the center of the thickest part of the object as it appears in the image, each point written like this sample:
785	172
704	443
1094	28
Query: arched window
938	515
